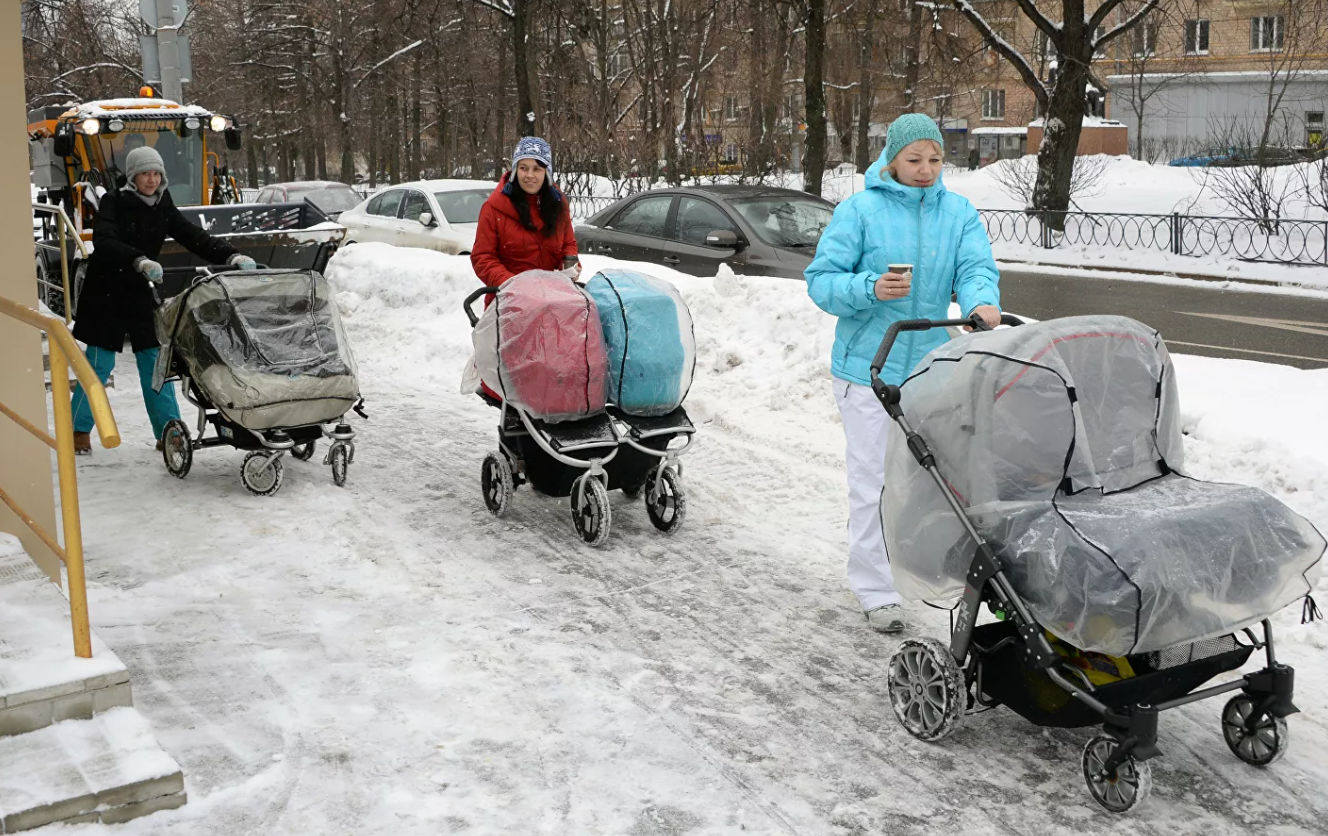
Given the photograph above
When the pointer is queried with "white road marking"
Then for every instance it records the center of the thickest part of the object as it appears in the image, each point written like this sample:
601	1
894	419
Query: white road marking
1319	328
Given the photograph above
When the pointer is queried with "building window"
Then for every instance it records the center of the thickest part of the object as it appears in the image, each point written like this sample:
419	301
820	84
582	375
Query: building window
731	153
1043	48
1196	37
730	107
1099	49
1266	33
1314	128
993	104
1144	38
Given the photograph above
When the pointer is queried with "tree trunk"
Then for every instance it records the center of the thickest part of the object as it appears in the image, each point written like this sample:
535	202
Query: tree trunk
813	80
525	98
251	154
866	91
320	149
416	163
914	70
1060	141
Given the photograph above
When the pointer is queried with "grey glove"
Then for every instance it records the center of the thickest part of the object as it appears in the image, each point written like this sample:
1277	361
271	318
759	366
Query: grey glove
150	269
243	262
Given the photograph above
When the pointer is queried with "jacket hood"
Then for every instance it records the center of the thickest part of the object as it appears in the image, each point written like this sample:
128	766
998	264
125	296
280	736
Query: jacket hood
878	178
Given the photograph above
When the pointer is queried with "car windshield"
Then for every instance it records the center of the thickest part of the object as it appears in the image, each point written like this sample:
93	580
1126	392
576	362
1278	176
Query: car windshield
183	155
328	200
461	207
783	221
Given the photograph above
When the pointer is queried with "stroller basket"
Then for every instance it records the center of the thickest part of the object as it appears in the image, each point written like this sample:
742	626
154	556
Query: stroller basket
1160	676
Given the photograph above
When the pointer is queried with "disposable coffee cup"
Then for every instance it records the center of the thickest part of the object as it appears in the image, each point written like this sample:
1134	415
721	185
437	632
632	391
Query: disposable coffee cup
905	270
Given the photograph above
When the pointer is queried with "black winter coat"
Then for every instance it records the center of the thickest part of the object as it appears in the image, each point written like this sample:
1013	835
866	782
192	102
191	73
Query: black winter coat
116	300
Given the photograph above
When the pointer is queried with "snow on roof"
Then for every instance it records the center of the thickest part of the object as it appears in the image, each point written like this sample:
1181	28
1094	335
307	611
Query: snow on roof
1089	122
106	108
999	131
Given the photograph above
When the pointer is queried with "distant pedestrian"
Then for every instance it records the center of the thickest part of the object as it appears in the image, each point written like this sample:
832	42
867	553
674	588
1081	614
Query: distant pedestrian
905	216
117	301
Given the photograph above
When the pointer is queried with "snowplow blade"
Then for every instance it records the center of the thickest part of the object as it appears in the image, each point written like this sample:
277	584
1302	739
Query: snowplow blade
279	235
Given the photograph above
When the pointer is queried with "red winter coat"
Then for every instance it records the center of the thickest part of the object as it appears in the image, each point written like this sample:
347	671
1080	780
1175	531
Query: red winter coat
504	248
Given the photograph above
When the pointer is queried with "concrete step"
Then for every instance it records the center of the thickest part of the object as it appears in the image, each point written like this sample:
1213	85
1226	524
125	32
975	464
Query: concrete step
108	769
41	680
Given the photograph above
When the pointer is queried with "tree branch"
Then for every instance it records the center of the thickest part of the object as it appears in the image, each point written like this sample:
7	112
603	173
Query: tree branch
1016	58
1128	24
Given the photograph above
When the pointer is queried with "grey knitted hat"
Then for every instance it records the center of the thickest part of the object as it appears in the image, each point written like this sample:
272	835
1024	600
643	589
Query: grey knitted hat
144	159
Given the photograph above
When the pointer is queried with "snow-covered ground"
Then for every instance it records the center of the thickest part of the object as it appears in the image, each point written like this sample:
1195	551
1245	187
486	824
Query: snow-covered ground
388	658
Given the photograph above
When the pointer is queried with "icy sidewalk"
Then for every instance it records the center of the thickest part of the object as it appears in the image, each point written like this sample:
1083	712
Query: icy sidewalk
388	658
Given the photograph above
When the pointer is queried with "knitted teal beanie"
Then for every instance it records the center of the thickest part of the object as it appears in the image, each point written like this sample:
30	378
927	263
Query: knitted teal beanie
908	129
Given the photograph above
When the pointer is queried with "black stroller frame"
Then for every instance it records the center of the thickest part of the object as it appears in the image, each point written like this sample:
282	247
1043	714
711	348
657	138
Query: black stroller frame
612	451
1012	662
261	472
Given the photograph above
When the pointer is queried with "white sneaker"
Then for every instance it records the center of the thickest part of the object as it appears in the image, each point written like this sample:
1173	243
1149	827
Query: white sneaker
887	619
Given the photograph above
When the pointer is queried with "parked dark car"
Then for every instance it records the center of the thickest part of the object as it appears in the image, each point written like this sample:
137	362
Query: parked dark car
330	197
756	230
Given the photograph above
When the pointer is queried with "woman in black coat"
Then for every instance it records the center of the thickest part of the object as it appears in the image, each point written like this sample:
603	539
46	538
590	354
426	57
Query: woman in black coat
117	301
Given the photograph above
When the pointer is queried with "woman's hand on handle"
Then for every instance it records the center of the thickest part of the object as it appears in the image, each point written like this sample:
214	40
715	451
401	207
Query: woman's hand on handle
990	314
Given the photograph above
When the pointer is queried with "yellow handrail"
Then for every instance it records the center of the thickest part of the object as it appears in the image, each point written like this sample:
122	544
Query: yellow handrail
64	355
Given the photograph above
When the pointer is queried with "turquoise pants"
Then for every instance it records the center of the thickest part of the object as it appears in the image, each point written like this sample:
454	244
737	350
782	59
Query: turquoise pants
161	405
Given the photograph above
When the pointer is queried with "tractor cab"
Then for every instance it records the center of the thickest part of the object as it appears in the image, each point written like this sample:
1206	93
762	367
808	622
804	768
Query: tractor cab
78	152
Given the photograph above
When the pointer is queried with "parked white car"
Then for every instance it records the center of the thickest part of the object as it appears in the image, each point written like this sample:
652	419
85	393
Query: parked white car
431	214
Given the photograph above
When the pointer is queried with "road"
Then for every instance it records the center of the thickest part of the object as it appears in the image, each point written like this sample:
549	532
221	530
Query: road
1268	327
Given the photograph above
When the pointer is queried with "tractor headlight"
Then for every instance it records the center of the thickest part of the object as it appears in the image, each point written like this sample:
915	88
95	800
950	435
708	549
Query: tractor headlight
192	123
115	126
219	123
90	127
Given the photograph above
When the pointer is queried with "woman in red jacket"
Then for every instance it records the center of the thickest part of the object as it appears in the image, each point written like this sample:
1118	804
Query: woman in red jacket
525	223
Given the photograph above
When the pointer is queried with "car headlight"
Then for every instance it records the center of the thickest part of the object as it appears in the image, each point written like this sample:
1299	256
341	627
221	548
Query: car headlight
91	127
192	123
219	123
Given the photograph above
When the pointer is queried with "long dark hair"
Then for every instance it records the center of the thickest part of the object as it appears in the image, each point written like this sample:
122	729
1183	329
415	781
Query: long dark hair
551	204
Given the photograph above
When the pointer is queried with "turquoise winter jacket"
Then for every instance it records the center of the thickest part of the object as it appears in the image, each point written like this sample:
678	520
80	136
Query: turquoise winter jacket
938	232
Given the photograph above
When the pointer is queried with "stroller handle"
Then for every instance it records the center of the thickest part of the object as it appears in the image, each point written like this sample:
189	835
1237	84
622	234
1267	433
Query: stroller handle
892	333
470	300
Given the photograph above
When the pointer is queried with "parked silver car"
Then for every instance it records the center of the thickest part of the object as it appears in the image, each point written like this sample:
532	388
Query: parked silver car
431	214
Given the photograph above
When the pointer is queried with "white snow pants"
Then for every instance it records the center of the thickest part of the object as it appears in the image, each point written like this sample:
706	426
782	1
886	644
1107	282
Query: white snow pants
867	428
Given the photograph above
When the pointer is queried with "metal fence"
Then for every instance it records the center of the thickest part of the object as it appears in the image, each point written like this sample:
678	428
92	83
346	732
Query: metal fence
583	206
1245	239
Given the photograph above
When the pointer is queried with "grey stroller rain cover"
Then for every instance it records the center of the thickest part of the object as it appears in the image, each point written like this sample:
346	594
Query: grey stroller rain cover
1062	440
267	348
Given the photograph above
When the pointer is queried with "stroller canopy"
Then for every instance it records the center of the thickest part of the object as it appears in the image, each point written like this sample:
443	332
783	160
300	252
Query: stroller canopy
1062	440
266	347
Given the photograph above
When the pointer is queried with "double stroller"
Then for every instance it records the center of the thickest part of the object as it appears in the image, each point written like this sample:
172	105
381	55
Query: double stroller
1042	477
589	381
264	357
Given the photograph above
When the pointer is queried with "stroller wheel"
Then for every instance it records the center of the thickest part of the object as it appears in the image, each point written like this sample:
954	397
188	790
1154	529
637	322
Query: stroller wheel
590	510
927	689
339	458
303	452
1121	789
496	483
176	450
1258	746
259	477
667	507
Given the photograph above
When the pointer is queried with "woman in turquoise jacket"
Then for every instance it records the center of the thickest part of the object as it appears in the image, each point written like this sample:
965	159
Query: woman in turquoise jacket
903	217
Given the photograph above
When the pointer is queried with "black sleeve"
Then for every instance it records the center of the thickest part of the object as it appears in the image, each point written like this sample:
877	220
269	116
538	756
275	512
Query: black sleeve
194	238
106	238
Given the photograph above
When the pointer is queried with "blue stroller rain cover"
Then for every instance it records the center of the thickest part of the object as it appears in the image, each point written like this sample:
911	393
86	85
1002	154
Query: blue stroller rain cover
649	338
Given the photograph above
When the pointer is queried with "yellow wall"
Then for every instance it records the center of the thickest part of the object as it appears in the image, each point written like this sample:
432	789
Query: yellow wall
25	463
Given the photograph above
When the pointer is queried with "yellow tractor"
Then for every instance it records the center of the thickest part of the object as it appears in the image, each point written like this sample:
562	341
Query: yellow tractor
78	154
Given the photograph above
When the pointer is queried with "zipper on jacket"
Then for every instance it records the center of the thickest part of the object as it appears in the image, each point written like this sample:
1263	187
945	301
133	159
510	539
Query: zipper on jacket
913	306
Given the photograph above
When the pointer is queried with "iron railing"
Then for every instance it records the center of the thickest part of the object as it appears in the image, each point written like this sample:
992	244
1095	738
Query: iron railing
65	356
583	206
1302	242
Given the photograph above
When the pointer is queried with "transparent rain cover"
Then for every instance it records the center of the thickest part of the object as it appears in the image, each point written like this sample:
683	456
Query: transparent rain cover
266	348
1062	440
540	347
649	339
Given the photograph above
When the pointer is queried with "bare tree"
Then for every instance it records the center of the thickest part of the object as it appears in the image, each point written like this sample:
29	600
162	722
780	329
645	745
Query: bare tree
1018	177
1061	100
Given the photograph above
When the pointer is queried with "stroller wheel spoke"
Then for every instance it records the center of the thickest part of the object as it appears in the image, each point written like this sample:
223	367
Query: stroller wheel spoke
1262	745
927	689
1121	791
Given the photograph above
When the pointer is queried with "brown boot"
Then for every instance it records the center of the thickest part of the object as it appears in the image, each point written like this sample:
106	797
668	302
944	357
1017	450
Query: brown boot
82	444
